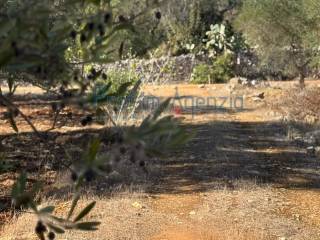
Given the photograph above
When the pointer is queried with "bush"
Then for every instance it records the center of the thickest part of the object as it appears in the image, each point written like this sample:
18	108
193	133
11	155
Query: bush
222	68
300	106
202	73
219	72
118	78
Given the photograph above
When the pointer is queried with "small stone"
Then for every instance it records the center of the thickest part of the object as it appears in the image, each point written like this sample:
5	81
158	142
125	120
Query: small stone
311	151
136	205
192	213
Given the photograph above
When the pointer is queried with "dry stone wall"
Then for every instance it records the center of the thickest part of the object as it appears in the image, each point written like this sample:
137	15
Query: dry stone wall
158	70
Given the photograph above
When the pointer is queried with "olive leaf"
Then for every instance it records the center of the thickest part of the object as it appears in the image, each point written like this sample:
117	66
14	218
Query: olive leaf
85	211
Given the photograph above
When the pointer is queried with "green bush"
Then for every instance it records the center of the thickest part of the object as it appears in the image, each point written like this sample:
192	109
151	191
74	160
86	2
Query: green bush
201	73
222	68
118	78
219	72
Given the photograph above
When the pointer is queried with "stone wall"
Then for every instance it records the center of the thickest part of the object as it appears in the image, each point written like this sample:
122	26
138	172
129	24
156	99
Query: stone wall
159	70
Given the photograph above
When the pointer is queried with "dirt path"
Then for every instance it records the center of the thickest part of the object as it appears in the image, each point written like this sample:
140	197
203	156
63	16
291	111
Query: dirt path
233	146
239	178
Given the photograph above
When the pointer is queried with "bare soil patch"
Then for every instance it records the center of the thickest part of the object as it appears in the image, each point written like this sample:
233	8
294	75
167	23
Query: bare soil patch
240	177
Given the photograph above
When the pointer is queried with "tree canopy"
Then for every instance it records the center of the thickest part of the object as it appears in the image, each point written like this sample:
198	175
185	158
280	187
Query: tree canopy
283	32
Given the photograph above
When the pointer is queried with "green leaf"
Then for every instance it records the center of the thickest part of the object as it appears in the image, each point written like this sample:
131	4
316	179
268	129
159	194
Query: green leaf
73	205
87	226
85	211
59	220
47	210
55	228
180	138
161	108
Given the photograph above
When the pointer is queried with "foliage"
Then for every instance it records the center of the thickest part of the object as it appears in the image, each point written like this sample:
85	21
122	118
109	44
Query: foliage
154	136
188	27
300	105
222	68
146	25
59	45
284	31
221	39
202	73
220	71
117	78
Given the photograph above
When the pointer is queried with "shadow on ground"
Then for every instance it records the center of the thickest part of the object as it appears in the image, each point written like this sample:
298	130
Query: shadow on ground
221	153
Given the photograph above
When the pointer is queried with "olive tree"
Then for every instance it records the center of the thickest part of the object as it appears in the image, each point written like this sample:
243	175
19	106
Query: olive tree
52	43
283	32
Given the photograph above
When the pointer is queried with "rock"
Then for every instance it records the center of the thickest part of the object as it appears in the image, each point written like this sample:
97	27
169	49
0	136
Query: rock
311	151
192	213
202	86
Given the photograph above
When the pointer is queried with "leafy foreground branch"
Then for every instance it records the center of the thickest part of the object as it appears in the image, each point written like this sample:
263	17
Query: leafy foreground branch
48	224
155	135
60	46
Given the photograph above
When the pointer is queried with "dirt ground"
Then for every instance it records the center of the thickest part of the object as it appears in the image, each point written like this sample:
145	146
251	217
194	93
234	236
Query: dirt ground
240	177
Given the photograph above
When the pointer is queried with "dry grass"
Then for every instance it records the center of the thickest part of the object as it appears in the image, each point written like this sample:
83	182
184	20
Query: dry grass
301	105
248	212
244	211
120	220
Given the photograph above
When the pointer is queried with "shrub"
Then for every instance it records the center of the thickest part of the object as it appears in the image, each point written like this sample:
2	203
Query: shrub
118	78
219	72
222	68
202	73
300	106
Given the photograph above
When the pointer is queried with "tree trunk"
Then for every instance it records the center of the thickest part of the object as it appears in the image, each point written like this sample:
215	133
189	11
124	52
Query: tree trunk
301	79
